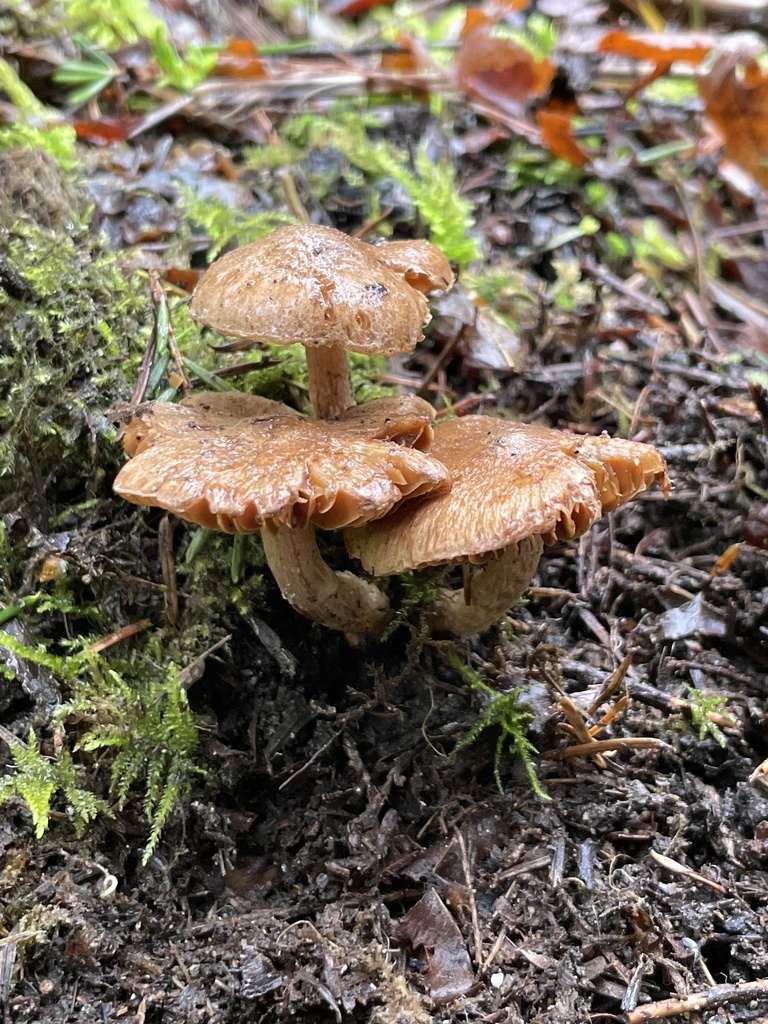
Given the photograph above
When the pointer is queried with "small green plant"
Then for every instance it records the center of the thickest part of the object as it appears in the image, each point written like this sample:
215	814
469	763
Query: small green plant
224	223
149	727
108	24
146	724
89	76
506	712
181	71
38	778
431	184
702	707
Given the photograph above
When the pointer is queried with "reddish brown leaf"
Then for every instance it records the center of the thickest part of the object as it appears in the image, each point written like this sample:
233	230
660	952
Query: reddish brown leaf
106	130
182	278
353	8
557	136
659	50
736	97
498	71
239	59
429	926
401	62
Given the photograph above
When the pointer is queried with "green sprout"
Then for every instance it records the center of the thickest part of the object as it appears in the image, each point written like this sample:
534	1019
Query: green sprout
506	712
90	76
701	707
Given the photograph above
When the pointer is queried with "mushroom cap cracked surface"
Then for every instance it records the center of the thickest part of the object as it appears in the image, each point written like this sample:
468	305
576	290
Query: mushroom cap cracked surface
209	463
313	285
509	482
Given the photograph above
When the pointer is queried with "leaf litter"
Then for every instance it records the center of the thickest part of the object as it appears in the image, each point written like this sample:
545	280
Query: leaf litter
337	860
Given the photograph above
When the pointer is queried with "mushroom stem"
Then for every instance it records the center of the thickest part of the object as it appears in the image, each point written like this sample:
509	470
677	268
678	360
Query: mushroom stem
338	600
493	590
330	391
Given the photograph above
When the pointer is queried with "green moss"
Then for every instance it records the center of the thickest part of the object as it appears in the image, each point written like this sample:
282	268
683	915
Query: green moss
507	713
73	318
431	184
225	224
133	712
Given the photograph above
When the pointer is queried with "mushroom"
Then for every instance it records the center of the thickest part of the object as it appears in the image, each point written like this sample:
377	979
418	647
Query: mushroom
514	489
240	463
317	286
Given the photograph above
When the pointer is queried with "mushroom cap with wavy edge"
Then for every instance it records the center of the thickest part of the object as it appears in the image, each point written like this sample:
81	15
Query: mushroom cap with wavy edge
420	263
404	419
510	481
239	473
314	285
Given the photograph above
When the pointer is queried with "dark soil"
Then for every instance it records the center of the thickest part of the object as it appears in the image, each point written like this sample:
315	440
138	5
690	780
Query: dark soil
337	861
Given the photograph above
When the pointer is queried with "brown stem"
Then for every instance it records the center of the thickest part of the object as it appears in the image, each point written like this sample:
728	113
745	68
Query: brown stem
493	590
338	600
330	391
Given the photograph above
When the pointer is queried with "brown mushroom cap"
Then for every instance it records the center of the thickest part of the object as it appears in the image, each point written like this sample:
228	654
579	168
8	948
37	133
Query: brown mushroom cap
509	481
418	262
237	474
622	468
404	419
314	285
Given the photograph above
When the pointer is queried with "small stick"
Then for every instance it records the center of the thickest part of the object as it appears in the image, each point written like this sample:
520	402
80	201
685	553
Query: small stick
120	634
711	999
164	328
467	870
680	869
600	746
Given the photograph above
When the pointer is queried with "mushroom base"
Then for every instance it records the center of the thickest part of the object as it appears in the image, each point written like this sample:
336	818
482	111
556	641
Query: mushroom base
338	600
493	590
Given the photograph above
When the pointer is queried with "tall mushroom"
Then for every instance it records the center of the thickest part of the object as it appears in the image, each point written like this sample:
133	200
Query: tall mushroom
240	463
331	293
514	488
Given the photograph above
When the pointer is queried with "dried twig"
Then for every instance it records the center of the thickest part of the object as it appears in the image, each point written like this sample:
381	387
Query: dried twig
680	869
711	999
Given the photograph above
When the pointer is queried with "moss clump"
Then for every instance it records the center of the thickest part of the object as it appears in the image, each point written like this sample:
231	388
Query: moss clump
72	318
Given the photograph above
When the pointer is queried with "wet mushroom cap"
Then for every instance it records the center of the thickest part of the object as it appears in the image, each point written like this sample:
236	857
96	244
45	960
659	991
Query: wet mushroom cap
420	263
237	474
313	285
622	468
403	419
509	482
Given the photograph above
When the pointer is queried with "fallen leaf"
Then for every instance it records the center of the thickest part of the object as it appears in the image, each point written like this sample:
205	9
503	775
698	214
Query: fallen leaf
353	8
106	131
653	47
557	136
239	59
498	71
429	926
695	617
735	94
183	278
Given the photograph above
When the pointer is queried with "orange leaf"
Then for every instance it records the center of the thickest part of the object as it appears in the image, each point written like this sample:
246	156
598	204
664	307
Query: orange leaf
736	98
107	130
557	136
400	63
498	71
655	48
239	59
182	278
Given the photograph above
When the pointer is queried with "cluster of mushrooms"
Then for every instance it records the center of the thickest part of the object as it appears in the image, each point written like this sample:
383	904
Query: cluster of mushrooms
409	494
